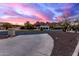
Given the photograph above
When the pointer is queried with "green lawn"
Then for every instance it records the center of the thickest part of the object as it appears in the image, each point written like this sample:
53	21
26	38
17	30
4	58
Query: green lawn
27	31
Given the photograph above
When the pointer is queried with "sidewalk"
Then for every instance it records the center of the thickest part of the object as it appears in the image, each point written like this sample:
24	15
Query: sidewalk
76	51
27	45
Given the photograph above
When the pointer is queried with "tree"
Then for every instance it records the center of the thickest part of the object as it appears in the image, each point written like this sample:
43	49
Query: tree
65	26
37	23
28	25
76	28
22	27
7	25
52	25
16	25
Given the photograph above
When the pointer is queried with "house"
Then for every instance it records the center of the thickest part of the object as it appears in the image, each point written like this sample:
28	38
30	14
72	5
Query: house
44	28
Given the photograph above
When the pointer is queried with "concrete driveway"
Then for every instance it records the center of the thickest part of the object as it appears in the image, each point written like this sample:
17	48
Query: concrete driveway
27	45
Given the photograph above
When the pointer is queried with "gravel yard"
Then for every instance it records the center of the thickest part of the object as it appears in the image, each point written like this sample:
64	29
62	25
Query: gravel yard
64	43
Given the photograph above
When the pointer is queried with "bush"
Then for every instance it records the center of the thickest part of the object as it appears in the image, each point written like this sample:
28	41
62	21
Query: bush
22	27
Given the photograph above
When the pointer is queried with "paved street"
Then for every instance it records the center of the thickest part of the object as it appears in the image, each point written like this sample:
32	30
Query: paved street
27	45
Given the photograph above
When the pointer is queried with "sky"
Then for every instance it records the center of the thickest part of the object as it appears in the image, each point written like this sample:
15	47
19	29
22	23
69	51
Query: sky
19	13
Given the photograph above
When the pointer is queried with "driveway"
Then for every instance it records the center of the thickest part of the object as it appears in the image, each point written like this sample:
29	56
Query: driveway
27	45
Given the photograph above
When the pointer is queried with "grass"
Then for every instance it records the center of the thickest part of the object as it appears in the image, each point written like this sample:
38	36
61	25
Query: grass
27	31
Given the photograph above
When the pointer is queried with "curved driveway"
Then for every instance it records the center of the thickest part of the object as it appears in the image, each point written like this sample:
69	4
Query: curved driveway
27	45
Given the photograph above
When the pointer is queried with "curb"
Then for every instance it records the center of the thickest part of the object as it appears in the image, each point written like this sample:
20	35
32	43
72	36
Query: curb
76	51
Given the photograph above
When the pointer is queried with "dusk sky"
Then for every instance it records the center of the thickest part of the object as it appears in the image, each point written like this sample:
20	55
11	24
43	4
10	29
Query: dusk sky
19	13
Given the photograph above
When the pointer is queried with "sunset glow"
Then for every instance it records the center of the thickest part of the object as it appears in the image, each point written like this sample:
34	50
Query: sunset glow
19	13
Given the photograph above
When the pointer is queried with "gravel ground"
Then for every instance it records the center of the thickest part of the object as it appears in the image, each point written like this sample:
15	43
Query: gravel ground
64	43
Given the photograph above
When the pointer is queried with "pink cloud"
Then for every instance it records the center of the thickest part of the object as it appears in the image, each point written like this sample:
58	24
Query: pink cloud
32	11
